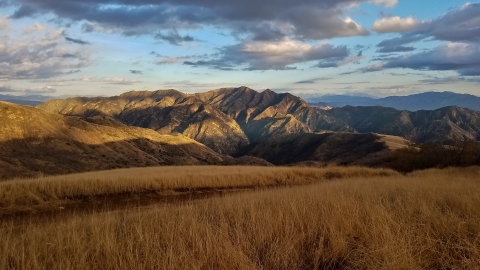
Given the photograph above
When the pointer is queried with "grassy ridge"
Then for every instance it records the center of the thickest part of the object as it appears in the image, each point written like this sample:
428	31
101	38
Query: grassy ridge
427	220
58	189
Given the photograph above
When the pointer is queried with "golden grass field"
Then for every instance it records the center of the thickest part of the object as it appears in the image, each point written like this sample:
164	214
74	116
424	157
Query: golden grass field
331	218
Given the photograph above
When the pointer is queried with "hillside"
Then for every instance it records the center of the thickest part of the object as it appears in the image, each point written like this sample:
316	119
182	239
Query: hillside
322	149
35	142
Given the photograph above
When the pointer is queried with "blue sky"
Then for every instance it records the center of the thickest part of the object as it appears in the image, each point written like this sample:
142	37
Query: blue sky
306	47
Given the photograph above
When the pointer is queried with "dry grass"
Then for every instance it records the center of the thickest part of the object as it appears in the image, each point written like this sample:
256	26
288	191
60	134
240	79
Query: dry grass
44	192
427	220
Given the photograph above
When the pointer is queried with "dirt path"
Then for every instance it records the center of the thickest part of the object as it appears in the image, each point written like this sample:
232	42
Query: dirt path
116	202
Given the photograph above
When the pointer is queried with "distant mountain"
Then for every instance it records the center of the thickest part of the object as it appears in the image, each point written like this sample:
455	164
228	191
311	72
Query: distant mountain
441	125
423	101
35	142
33	100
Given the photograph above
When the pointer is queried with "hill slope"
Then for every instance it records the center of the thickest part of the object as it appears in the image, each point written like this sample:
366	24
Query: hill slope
163	111
327	148
35	142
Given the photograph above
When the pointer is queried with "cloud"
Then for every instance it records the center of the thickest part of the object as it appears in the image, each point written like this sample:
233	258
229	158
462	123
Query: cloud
174	38
138	72
372	68
36	27
109	80
168	60
444	80
302	19
3	23
41	90
395	24
461	57
5	88
312	81
38	55
77	41
272	55
188	86
460	25
397	44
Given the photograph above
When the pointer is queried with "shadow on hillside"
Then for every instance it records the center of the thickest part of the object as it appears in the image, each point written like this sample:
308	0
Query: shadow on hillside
335	148
34	157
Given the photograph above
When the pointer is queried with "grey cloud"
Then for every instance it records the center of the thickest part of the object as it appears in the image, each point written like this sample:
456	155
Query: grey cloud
4	3
472	71
24	11
69	55
372	68
460	27
73	71
138	72
446	80
7	89
77	41
302	19
174	38
312	81
451	79
400	48
461	57
397	44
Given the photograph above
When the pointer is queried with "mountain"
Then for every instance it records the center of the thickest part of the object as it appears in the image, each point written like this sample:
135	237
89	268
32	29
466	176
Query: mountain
166	112
441	125
422	101
429	101
35	142
225	119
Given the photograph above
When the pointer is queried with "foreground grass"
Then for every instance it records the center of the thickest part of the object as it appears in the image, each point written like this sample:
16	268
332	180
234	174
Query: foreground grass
50	191
427	220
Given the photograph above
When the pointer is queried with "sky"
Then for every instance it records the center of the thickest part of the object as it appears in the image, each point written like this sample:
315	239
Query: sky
309	48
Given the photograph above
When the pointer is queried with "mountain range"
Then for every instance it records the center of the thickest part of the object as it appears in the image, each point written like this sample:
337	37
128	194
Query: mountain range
224	126
228	119
422	101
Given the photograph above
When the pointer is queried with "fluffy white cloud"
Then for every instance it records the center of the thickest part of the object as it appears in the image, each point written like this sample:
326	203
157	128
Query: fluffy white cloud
110	80
42	54
262	55
395	24
37	27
